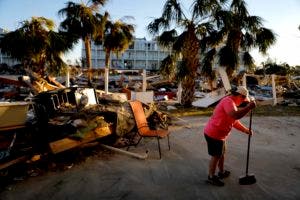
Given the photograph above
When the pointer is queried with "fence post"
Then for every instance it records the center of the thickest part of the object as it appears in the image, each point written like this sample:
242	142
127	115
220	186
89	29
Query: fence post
144	87
106	79
274	90
179	92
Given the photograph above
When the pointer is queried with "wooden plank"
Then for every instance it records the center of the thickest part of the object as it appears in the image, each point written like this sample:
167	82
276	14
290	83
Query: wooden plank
12	162
7	128
69	143
9	81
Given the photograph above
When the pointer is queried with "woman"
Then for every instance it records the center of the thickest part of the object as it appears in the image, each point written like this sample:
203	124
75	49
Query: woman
225	116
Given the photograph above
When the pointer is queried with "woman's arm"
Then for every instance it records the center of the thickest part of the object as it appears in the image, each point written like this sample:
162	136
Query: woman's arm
239	126
239	113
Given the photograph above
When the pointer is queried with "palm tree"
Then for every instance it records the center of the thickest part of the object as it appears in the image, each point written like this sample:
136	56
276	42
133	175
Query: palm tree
36	45
186	45
82	21
118	36
239	32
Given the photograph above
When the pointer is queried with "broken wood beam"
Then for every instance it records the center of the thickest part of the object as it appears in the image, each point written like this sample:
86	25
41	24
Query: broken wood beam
69	143
135	155
13	162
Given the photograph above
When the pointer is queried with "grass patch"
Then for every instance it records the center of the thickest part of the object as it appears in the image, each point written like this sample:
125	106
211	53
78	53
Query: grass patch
264	110
268	110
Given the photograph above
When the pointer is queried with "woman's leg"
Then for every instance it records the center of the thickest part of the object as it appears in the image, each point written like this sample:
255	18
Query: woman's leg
213	165
221	164
222	158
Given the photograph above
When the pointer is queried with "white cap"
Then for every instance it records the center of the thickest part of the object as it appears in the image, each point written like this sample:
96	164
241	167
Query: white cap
243	91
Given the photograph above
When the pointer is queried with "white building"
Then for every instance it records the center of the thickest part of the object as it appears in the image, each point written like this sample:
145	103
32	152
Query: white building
141	54
5	59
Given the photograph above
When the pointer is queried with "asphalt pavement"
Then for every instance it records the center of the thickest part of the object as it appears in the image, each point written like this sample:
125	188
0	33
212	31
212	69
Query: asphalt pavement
182	171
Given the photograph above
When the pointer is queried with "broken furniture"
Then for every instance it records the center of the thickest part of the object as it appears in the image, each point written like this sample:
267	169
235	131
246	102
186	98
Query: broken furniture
143	129
14	146
13	114
66	118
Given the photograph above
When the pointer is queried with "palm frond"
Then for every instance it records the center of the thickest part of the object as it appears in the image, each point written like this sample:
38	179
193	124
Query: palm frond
79	20
223	18
60	42
252	22
37	45
99	2
228	58
247	41
178	44
248	60
118	36
167	38
10	40
207	64
202	8
127	18
216	38
168	67
172	11
156	25
56	66
239	7
264	39
95	4
204	28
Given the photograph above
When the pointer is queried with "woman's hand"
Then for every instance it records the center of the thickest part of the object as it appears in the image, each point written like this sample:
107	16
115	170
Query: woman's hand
251	104
249	132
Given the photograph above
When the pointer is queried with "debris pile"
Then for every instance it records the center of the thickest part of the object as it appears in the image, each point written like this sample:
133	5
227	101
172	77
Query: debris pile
61	119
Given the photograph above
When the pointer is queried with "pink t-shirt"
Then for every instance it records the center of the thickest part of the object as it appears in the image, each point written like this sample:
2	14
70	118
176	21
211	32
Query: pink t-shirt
220	123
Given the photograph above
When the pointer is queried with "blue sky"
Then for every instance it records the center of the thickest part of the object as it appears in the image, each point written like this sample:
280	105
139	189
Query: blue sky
282	16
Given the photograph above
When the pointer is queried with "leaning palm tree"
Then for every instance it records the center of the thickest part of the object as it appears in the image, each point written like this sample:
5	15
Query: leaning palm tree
241	32
37	45
182	34
82	22
118	36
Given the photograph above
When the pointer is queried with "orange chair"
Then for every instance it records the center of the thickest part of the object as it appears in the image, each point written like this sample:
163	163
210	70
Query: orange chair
143	128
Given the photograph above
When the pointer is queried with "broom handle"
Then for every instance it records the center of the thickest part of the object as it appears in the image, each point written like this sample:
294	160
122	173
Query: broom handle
249	139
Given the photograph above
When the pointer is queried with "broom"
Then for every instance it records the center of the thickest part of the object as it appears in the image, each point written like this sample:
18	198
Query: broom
248	179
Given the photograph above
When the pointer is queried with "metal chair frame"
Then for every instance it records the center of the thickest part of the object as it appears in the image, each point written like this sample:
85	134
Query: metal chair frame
143	129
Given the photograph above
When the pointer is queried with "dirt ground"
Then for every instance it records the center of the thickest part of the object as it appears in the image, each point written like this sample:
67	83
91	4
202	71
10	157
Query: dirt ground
182	171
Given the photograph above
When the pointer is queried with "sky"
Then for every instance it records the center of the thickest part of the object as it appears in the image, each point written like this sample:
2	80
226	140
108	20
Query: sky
281	16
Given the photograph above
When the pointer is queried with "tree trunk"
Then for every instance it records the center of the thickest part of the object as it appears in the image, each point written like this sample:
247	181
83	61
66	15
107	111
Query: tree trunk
234	42
190	57
188	90
107	58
